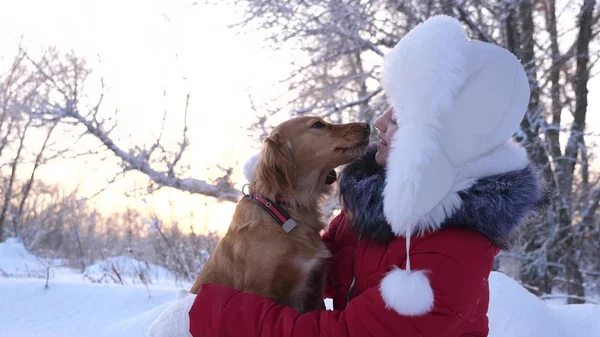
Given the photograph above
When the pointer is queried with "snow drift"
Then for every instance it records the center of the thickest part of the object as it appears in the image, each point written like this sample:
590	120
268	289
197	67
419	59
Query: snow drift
74	306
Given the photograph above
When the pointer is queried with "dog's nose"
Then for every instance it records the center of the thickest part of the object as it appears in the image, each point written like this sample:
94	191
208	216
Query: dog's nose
364	125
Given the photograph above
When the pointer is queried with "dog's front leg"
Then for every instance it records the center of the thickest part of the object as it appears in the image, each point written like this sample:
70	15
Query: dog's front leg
316	285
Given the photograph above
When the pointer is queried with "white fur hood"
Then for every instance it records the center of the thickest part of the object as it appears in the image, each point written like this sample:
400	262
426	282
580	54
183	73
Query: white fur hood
457	103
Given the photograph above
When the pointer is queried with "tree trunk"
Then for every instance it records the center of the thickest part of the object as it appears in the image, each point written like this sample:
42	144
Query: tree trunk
510	33
572	274
581	92
448	7
521	43
27	189
519	35
556	104
574	278
11	181
363	108
527	55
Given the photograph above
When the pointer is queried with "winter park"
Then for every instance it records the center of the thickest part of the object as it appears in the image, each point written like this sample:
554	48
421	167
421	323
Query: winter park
299	168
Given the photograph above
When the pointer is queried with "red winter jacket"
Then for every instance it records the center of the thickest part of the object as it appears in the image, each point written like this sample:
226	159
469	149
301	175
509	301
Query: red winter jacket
459	262
458	259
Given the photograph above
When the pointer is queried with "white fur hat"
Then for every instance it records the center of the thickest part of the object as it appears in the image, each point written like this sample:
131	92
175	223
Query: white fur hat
457	104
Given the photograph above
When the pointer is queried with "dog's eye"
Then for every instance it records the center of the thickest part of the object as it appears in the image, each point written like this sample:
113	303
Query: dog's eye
317	125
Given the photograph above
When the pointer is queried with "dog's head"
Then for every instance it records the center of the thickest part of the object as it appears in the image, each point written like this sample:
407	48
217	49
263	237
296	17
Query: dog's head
301	152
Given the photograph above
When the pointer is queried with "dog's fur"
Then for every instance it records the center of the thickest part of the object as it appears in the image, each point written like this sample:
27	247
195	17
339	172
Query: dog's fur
256	255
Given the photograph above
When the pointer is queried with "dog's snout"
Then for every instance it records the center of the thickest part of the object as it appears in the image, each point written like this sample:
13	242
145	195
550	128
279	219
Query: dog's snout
354	131
365	129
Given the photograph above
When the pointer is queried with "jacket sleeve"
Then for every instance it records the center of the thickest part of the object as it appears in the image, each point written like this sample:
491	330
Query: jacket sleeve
459	280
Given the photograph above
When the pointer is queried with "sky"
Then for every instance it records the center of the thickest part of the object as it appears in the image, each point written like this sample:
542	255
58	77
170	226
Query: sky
142	49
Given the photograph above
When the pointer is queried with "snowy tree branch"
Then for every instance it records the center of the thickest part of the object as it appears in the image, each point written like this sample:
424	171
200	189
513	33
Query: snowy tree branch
67	86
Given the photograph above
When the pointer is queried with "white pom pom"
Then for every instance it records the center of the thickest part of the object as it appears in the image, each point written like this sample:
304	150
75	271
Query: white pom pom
249	167
408	293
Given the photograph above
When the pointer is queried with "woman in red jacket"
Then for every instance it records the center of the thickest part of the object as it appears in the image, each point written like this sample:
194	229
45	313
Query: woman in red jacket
425	211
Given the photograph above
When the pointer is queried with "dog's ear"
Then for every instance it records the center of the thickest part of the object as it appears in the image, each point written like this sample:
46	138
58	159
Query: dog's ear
276	168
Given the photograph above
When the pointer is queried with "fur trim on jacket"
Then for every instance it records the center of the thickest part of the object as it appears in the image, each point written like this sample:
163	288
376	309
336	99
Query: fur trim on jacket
497	206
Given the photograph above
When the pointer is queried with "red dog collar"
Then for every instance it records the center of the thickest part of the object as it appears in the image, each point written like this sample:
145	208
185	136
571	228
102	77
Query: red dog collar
282	218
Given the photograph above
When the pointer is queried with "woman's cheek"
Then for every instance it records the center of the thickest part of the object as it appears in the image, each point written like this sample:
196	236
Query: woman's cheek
381	157
390	135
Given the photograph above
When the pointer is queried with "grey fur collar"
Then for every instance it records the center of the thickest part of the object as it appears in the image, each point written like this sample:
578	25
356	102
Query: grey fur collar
496	206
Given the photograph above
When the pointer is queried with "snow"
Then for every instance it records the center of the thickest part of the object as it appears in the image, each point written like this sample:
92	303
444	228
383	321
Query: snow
516	312
77	309
581	318
130	269
16	261
75	306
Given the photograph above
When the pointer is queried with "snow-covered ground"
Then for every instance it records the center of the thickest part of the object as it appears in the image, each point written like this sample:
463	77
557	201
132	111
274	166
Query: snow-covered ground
73	305
76	303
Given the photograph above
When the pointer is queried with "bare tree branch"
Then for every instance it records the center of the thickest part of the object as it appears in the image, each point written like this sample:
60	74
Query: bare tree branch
222	191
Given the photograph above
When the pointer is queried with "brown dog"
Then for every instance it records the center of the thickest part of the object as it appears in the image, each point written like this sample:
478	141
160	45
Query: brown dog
258	254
